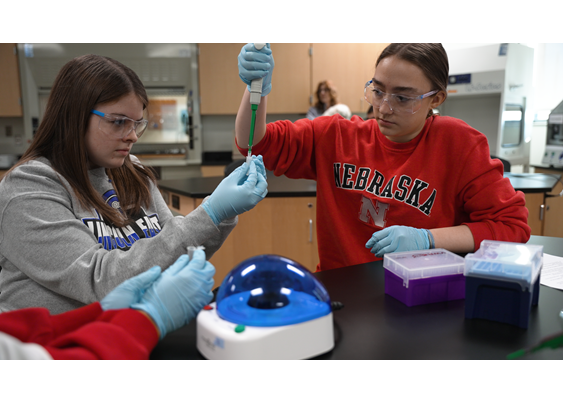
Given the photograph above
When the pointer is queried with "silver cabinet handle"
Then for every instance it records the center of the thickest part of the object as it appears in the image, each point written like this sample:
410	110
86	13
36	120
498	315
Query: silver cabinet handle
310	230
542	210
310	205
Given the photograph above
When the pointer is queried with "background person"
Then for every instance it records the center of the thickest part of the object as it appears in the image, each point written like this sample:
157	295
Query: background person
326	96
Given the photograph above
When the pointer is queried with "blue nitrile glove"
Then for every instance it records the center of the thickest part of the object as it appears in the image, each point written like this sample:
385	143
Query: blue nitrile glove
260	168
238	192
253	64
180	293
130	291
398	238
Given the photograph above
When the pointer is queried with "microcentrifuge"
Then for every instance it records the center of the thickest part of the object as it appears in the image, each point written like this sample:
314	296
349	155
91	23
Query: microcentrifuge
268	307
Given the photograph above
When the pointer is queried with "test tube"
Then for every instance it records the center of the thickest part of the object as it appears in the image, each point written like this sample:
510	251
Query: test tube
192	249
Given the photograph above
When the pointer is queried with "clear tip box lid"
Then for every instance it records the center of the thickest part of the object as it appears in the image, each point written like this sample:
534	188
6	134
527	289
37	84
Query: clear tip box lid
423	264
508	261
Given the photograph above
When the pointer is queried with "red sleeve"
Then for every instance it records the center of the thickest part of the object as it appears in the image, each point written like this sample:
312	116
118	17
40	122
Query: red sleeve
496	211
84	333
502	216
288	147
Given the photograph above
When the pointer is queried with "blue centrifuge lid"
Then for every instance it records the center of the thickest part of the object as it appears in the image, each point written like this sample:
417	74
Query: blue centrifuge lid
271	290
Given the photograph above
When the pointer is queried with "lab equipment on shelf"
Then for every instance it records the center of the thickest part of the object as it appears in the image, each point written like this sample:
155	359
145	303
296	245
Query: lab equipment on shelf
553	155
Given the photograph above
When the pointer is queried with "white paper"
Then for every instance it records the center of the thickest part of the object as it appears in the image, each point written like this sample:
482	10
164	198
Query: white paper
552	271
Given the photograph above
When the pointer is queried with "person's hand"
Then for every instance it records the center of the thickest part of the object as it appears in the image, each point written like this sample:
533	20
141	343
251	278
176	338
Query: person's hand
254	64
180	293
398	238
130	291
238	192
260	168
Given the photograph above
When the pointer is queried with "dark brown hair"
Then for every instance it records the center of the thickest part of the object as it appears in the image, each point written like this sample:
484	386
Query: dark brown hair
333	94
83	83
431	58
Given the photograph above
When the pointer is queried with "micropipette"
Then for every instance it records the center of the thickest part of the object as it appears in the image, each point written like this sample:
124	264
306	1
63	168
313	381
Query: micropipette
554	341
255	95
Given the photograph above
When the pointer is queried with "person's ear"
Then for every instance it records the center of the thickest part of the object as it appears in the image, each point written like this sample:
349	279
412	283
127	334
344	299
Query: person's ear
438	99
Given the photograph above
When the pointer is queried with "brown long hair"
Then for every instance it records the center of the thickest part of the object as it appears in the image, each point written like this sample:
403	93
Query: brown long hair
333	94
431	58
82	83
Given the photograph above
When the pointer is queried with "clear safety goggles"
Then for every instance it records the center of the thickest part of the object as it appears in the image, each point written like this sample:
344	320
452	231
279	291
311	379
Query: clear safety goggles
397	103
119	127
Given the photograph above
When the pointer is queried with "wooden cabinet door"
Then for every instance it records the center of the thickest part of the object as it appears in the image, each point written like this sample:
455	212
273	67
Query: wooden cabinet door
535	205
553	217
291	80
10	92
221	89
295	78
294	231
281	226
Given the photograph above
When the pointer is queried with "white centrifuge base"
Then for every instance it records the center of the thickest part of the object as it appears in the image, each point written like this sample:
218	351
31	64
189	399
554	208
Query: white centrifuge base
218	339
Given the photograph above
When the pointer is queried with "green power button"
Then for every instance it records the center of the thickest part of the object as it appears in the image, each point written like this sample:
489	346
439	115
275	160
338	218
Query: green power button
239	328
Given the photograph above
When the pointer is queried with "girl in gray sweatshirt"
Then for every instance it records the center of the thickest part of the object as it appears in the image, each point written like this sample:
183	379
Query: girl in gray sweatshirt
79	214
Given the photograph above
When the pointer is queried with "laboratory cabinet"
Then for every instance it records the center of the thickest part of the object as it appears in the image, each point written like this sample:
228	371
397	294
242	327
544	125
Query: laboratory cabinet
283	223
277	225
553	206
299	67
221	88
535	203
544	212
10	92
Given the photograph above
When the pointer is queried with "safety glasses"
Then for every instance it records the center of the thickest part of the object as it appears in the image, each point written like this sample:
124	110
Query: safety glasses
397	103
119	127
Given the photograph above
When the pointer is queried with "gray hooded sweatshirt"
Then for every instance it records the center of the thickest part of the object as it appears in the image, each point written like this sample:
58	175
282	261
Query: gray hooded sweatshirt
57	255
